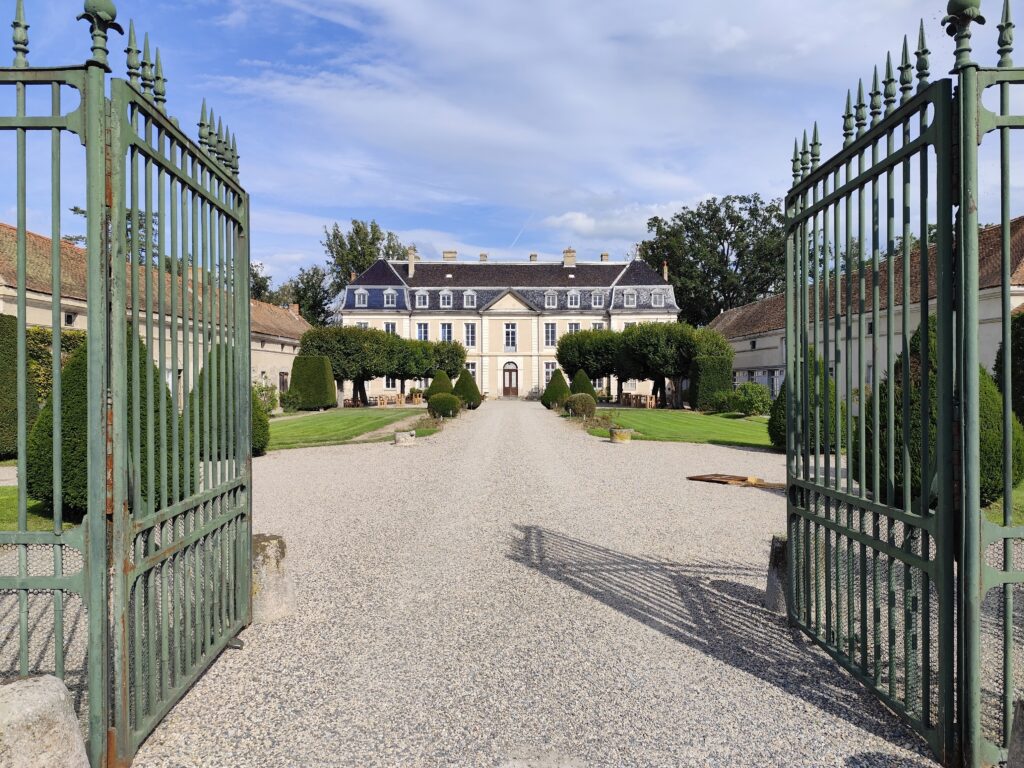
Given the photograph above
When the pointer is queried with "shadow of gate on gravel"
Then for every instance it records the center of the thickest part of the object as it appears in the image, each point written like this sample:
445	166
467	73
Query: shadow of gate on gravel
700	604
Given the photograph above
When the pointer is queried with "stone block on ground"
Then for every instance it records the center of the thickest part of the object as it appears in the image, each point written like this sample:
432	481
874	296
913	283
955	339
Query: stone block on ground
775	594
38	726
273	592
405	438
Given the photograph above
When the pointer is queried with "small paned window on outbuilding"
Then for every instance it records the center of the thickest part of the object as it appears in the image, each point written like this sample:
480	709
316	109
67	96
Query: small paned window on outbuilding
574	300
422	302
753	343
469	300
69	319
446	299
390	382
629	299
390	298
597	299
361	298
550	300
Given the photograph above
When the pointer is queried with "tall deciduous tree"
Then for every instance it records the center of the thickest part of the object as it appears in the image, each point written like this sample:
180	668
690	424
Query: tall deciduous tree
259	283
356	249
721	254
312	293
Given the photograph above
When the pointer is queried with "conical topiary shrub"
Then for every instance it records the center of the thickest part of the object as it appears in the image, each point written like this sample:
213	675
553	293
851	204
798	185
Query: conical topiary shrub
466	389
556	392
581	384
9	389
440	384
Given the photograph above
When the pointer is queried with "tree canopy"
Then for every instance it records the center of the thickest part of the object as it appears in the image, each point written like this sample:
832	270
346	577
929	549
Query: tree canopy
357	249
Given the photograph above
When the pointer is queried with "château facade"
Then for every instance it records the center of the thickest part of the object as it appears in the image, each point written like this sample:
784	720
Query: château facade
508	315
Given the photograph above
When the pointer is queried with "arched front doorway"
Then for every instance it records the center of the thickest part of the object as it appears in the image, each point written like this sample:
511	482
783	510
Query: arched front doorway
510	380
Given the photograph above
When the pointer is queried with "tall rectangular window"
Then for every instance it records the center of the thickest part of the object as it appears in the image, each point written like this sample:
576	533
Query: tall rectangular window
550	334
421	332
510	337
446	331
471	335
597	300
597	326
549	371
574	327
391	328
390	382
471	367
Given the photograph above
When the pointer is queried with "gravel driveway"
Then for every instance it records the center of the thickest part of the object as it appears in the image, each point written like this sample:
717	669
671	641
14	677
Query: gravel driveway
513	592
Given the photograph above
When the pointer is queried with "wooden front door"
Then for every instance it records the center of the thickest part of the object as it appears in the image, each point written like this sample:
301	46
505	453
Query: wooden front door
510	381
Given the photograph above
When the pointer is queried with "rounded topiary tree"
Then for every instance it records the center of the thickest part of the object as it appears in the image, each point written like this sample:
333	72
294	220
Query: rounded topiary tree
556	392
777	420
581	384
9	389
260	436
751	399
75	434
444	405
466	390
582	405
1016	363
313	382
777	414
439	385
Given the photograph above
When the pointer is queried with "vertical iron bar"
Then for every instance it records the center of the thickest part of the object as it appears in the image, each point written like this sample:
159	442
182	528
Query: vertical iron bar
55	357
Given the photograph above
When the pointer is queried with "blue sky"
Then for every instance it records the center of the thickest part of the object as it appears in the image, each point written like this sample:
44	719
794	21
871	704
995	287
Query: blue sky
500	126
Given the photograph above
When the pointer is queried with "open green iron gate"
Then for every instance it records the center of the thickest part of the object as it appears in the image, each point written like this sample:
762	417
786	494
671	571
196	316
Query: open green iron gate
895	568
133	604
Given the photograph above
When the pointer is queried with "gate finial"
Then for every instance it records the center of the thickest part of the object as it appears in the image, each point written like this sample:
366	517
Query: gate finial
1006	27
861	110
805	159
815	148
796	162
923	64
147	69
204	127
160	85
101	15
234	155
958	25
906	78
890	85
876	99
133	52
848	121
20	36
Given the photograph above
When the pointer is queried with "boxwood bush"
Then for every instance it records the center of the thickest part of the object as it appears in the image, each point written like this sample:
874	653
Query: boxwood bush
556	392
722	402
440	384
708	375
581	384
777	413
444	405
313	381
466	390
751	399
9	390
581	405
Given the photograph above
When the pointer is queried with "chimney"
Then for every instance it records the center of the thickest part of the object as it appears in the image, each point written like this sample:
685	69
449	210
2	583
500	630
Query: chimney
568	258
410	253
533	257
352	276
604	257
483	258
449	255
664	271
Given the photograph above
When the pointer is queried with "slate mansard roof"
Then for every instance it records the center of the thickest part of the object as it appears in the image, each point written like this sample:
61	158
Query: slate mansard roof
531	282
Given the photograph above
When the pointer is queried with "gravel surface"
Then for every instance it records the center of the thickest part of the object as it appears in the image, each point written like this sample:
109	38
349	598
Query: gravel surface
513	592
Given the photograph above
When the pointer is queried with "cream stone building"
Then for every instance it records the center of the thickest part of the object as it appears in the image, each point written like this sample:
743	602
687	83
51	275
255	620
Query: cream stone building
508	315
757	331
275	331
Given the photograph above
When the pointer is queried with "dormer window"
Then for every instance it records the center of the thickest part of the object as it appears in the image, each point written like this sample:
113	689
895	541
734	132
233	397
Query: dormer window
629	299
446	299
421	300
390	299
361	298
469	300
574	300
550	300
597	300
657	299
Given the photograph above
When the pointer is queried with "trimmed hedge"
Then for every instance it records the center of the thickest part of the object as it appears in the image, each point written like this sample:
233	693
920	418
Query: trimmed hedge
260	437
439	385
556	392
313	381
777	414
444	405
75	435
291	401
581	384
723	402
708	375
582	405
1016	364
9	389
466	390
39	344
751	399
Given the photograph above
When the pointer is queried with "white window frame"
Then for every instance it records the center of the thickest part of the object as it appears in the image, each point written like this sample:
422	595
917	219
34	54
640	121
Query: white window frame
574	328
573	300
471	367
362	298
469	335
549	371
658	300
361	324
469	300
552	340
597	300
598	326
422	300
390	382
550	300
390	299
391	328
423	331
511	332
447	300
446	332
629	299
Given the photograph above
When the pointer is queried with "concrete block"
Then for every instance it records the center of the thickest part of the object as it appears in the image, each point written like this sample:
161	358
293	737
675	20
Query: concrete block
38	726
273	591
405	438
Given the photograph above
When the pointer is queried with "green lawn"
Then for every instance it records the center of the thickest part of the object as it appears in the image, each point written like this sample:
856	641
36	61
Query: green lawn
9	512
9	463
994	512
690	427
338	425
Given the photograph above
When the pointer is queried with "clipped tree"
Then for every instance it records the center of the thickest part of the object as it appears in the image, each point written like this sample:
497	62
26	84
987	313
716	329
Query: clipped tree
9	390
440	384
75	434
581	405
581	384
39	346
467	391
444	405
751	399
556	392
1016	364
450	357
410	359
356	354
820	403
260	428
708	377
313	381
